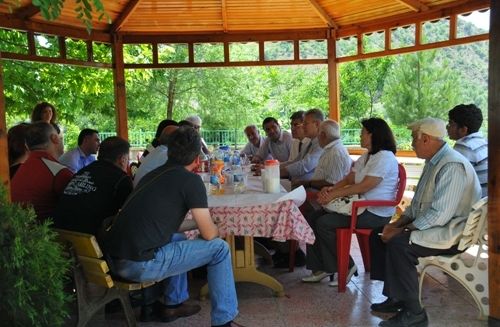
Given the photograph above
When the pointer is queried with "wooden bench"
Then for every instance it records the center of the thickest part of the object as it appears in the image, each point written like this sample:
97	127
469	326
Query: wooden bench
471	267
90	267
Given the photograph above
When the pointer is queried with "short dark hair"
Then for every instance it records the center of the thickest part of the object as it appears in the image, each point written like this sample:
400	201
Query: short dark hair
467	115
161	126
268	120
36	115
298	115
186	123
16	139
316	113
184	145
382	137
38	135
112	148
84	133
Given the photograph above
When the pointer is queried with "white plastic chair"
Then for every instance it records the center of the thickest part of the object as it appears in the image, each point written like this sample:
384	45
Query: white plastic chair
472	274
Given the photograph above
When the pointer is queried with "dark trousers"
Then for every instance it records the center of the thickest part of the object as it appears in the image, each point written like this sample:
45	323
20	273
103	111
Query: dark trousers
395	263
322	255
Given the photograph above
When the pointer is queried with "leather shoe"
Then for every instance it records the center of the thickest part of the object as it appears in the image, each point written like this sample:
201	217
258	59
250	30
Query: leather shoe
389	305
316	277
406	318
184	310
352	271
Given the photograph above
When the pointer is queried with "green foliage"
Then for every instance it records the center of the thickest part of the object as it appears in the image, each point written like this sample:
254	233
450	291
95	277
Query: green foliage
32	270
421	84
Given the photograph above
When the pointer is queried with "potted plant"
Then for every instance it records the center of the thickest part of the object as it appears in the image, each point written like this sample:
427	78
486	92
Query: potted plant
33	269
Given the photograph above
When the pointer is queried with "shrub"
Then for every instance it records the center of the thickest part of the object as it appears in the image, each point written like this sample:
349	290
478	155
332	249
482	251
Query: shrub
33	269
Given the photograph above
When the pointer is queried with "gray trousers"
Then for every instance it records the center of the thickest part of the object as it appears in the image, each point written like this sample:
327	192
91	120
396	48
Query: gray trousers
322	255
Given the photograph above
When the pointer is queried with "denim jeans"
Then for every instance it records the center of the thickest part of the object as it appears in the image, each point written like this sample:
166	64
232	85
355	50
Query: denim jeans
173	260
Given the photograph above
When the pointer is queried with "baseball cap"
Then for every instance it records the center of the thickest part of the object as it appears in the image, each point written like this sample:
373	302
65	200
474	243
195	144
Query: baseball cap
430	126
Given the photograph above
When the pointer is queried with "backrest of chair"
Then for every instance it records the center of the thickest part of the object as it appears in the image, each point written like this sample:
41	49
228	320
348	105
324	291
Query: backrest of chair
475	226
89	256
401	183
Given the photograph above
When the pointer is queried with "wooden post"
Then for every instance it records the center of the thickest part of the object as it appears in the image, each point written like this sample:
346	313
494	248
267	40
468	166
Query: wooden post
333	79
4	158
494	165
120	91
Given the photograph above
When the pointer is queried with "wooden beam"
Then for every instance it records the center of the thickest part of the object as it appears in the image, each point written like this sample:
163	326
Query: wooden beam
120	90
414	5
124	16
224	15
27	11
4	155
323	14
10	21
494	165
427	46
333	80
228	64
54	60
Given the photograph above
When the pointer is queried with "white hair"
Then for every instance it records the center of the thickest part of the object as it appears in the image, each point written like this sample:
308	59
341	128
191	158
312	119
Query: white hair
194	119
331	129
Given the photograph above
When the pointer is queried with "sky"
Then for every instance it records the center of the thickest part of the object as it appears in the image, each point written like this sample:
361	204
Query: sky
481	20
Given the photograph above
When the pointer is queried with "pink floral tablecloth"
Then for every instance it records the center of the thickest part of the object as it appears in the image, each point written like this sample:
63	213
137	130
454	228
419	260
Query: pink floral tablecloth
280	221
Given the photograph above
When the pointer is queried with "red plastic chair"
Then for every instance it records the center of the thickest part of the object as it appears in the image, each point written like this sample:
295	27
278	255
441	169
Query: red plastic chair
344	235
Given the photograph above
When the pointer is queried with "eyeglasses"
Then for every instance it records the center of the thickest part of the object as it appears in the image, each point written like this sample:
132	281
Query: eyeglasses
297	125
196	127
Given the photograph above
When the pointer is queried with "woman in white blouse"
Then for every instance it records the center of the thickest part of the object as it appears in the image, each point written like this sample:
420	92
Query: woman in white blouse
375	177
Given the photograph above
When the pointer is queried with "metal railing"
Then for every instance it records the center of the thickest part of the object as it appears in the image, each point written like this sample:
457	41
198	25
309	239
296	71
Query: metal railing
237	138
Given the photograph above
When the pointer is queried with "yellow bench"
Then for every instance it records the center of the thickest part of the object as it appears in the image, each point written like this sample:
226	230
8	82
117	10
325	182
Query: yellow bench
90	267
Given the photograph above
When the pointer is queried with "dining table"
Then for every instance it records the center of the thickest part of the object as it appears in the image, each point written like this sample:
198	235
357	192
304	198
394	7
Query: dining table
242	216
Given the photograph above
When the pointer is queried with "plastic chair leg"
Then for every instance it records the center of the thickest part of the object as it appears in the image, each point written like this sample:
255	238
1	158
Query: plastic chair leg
344	237
363	236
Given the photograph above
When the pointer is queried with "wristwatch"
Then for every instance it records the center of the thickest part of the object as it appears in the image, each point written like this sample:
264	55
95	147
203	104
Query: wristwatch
406	230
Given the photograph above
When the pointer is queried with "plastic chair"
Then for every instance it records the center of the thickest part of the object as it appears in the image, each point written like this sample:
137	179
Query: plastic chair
344	235
472	274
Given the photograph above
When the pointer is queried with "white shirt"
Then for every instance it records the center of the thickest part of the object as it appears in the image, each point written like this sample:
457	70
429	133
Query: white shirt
156	157
382	164
334	164
294	150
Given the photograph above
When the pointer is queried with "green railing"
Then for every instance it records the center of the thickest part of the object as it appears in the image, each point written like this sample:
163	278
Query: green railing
237	138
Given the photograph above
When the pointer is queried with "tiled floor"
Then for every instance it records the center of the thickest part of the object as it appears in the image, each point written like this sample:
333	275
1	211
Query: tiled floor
310	305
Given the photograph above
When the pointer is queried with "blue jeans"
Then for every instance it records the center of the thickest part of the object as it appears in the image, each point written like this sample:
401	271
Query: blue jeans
174	259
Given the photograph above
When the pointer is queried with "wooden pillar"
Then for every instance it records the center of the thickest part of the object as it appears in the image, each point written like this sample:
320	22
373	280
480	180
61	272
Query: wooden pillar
494	164
333	79
119	85
4	158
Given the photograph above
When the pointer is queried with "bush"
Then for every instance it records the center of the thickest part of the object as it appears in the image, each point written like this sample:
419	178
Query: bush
33	269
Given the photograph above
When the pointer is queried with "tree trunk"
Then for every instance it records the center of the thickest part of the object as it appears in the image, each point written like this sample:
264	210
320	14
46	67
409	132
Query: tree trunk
172	81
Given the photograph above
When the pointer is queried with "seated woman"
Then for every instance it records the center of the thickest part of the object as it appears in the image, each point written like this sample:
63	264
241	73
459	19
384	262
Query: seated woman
375	177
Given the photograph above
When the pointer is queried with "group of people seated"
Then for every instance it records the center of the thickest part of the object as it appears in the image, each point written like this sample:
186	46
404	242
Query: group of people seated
143	243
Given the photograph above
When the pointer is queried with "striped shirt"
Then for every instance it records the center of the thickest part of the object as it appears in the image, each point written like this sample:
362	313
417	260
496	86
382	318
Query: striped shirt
334	164
474	147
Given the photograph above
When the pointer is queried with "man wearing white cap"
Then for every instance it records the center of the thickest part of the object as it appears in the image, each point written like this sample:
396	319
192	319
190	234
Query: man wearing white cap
430	226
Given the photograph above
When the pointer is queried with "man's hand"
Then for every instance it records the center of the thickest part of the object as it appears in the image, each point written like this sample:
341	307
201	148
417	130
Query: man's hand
390	230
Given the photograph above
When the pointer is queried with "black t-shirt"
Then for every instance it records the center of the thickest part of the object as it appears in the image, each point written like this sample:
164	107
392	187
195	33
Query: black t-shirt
97	191
154	212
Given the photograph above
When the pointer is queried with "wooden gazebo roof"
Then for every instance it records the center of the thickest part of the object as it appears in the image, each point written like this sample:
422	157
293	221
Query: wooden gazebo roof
156	17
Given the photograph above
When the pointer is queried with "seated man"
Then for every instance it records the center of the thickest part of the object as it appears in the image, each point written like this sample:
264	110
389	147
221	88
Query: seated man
142	246
84	153
255	141
41	179
463	126
195	121
158	156
277	144
303	166
431	225
334	163
300	141
97	191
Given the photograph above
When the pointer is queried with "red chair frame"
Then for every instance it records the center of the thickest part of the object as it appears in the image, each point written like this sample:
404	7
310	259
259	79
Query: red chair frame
344	235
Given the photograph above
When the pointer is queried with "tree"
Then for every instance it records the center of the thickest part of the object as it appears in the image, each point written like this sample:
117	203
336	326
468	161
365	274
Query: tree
419	85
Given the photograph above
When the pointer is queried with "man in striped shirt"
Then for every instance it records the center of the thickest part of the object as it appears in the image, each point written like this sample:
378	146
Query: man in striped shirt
463	126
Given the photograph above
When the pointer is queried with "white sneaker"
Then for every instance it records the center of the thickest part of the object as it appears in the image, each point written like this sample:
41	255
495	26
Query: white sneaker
352	271
316	278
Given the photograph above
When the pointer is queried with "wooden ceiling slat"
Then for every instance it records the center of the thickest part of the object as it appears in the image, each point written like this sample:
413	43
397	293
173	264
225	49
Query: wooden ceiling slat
414	5
27	11
124	15
323	14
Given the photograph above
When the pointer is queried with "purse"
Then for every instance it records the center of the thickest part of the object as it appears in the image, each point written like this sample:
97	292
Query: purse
343	205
